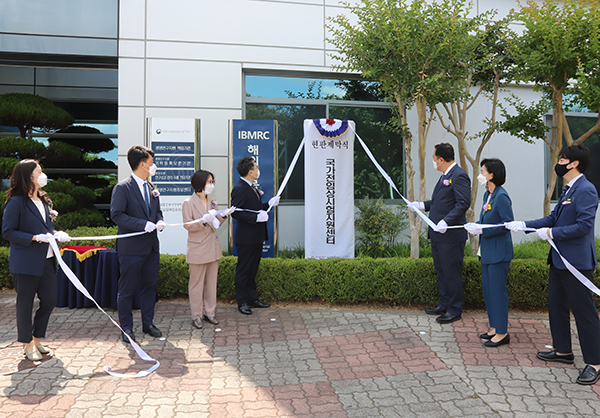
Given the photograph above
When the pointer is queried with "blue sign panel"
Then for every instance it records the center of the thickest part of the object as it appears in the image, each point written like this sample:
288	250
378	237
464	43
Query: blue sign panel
173	175
166	189
173	161
173	147
256	138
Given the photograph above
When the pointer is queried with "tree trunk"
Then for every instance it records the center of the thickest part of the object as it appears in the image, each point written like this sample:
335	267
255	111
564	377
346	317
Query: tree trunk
414	221
555	146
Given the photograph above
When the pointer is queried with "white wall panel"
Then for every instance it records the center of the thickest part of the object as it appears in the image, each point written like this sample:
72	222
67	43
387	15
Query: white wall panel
131	82
132	130
234	53
131	49
193	84
132	19
236	22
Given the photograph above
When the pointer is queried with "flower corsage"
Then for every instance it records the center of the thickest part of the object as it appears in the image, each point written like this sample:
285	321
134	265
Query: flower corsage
155	191
447	182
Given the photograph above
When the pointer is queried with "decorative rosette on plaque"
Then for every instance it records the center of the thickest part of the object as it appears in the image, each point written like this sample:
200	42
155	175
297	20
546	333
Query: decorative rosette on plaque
331	128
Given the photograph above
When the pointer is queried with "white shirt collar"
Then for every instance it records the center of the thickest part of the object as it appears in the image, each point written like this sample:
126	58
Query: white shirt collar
140	181
449	168
247	181
572	182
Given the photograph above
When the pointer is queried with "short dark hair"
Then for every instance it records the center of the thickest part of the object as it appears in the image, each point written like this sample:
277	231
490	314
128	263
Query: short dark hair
199	179
445	151
496	167
20	180
244	165
579	153
137	154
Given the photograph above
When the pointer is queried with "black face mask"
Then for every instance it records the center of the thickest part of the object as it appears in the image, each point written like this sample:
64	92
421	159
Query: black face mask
561	169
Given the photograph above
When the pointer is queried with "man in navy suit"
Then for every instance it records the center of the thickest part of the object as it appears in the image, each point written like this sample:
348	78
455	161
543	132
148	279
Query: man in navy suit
250	233
135	207
571	226
449	202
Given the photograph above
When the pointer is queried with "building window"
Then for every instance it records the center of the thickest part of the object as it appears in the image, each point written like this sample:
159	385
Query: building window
291	100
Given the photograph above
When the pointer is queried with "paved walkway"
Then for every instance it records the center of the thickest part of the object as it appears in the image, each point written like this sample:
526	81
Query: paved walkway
290	362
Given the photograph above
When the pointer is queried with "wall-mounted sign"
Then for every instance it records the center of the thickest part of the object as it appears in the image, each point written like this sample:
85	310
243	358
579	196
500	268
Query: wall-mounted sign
176	143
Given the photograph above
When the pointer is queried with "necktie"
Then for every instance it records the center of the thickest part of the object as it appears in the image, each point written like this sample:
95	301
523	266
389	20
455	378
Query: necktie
146	197
256	190
564	193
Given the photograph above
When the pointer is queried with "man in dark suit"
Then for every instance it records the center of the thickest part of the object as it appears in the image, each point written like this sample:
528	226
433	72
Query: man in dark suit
135	207
571	226
250	233
449	202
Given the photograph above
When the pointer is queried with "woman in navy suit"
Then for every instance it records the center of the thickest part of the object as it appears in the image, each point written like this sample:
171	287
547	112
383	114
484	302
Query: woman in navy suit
27	226
496	249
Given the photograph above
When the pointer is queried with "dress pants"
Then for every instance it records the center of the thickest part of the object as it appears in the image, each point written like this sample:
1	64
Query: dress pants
46	288
448	262
136	269
566	293
245	272
202	289
493	281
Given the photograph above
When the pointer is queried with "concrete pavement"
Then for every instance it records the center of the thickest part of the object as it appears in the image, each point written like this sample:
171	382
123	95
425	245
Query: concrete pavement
290	362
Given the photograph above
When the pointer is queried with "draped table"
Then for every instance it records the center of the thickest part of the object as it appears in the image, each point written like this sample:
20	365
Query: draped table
98	270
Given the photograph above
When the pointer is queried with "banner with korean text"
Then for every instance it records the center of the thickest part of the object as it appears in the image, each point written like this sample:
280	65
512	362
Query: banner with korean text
329	188
257	139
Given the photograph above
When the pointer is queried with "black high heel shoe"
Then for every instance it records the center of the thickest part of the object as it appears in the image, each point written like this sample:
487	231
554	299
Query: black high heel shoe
503	341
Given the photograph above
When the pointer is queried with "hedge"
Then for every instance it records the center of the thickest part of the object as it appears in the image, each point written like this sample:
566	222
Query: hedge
402	281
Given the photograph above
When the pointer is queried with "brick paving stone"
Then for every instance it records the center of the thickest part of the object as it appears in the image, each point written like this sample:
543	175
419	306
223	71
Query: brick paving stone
305	363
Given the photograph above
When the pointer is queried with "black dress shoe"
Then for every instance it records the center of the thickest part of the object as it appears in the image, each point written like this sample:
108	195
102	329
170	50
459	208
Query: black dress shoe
435	311
552	356
503	341
245	309
258	304
447	318
128	332
152	331
486	336
588	376
211	320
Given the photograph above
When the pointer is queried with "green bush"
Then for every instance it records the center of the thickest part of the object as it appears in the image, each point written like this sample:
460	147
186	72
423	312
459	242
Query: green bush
85	231
71	220
378	226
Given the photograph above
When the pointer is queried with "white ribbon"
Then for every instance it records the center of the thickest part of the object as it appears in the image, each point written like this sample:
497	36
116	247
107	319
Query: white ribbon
392	184
77	283
79	286
578	275
289	171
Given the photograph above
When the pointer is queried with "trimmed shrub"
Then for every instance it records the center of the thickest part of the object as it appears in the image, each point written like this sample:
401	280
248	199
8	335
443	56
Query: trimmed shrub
85	231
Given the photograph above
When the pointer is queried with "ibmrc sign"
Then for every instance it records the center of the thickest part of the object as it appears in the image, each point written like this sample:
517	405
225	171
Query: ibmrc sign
254	135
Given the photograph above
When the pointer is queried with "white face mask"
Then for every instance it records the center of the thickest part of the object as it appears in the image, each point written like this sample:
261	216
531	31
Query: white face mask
481	179
257	173
42	180
152	169
435	165
208	189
